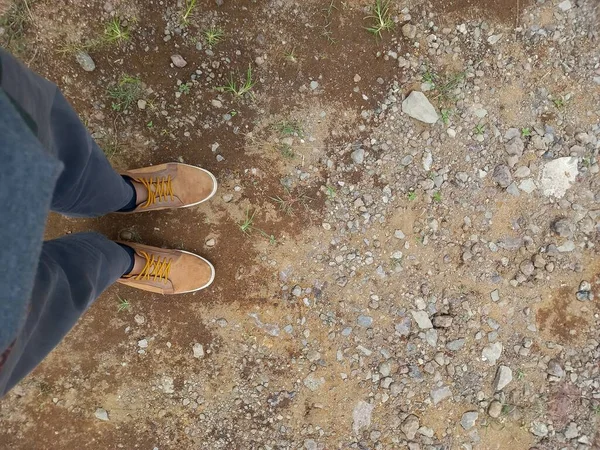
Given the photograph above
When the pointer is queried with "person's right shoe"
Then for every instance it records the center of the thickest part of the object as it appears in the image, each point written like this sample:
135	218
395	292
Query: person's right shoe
169	271
173	185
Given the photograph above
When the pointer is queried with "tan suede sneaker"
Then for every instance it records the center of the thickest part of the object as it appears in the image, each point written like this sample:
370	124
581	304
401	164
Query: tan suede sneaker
169	271
173	185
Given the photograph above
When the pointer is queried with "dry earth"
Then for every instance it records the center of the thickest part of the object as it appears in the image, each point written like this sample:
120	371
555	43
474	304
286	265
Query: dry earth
399	284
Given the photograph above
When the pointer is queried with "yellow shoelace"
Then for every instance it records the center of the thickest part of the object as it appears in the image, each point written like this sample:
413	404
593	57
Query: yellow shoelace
156	268
160	188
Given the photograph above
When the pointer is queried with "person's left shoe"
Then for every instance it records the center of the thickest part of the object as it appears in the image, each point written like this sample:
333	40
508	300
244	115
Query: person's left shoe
173	185
168	271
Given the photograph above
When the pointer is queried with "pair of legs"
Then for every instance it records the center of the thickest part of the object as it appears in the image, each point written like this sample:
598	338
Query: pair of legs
75	269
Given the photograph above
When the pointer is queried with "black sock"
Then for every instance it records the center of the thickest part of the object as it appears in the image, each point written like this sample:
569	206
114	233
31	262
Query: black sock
131	253
133	202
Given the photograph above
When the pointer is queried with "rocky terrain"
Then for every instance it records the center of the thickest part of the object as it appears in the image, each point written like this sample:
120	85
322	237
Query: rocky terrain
406	233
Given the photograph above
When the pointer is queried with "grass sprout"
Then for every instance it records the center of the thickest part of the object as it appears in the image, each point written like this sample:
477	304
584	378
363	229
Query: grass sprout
247	225
124	304
288	203
115	32
290	128
189	8
128	90
290	55
15	23
381	17
213	36
479	129
239	89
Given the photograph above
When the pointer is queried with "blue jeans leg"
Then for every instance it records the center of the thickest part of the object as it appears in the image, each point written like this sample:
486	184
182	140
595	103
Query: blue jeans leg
73	271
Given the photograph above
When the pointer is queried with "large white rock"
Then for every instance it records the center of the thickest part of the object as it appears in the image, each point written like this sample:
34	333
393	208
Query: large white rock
361	416
558	175
418	107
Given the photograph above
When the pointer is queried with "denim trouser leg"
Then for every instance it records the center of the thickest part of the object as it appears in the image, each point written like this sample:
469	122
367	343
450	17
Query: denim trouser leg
73	270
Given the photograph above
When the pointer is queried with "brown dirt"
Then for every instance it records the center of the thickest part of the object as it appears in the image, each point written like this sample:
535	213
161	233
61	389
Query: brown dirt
98	363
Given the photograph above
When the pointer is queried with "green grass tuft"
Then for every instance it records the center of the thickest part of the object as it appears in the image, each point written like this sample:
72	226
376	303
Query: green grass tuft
213	36
239	89
381	17
115	32
125	93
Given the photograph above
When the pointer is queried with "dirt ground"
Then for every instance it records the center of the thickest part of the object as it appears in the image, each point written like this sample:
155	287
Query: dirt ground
361	219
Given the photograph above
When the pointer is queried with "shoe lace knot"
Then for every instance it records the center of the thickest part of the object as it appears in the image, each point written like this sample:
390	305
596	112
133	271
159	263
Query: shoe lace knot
158	189
156	268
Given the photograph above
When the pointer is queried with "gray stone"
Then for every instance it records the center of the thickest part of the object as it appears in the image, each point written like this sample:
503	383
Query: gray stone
143	343
422	319
563	227
85	61
101	414
310	444
431	337
515	147
168	385
468	419
398	234
409	31
427	161
358	156
456	344
527	268
385	369
417	106
512	133
297	291
439	394
314	85
313	355
555	369
312	382
513	189
178	61
502	176
571	432
527	186
361	416
364	321
522	172
198	350
141	104
495	295
442	321
410	426
493	39
403	327
503	378
495	409
492	352
539	429
584	296
558	175
566	247
565	5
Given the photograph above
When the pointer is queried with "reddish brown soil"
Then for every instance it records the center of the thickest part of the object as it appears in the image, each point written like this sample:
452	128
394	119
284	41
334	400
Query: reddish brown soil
333	65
